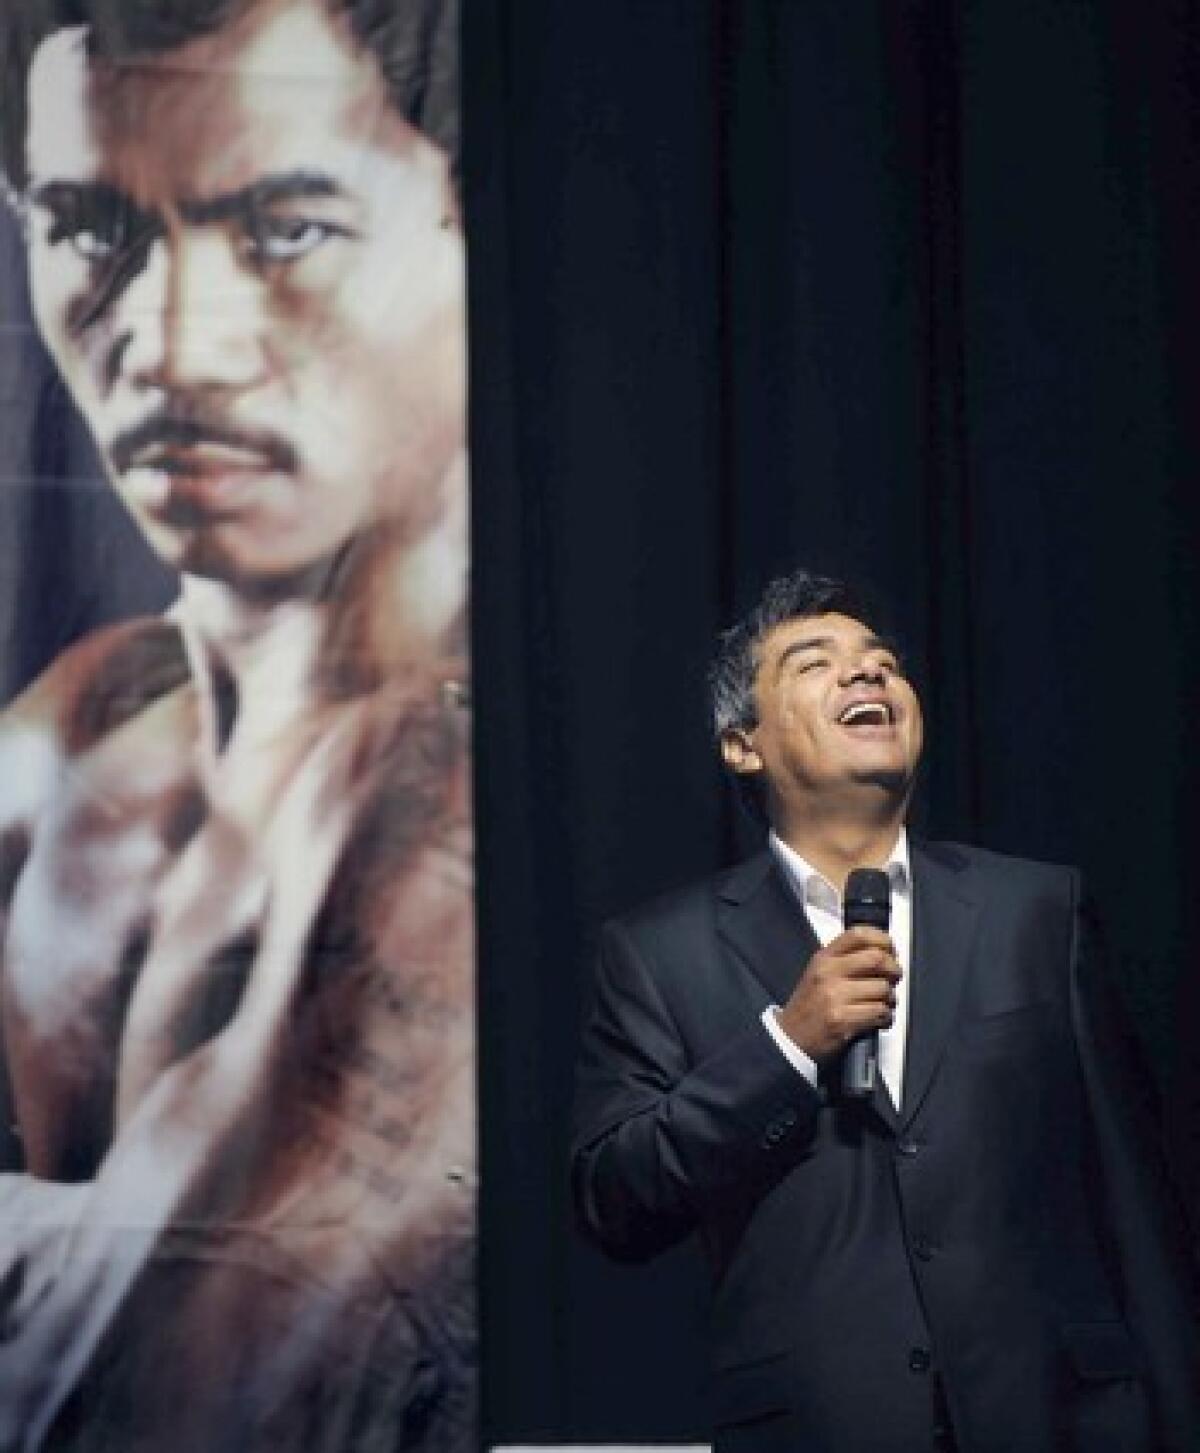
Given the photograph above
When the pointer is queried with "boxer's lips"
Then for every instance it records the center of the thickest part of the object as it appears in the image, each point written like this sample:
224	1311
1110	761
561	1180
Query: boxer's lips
204	458
181	470
209	478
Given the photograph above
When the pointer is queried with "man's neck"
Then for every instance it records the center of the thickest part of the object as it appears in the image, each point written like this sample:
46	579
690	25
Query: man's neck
837	846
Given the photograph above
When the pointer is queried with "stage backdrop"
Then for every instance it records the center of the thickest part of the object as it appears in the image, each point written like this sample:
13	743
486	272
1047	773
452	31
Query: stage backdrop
907	289
237	996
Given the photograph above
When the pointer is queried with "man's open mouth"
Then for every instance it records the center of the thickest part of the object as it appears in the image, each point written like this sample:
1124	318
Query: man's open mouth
867	714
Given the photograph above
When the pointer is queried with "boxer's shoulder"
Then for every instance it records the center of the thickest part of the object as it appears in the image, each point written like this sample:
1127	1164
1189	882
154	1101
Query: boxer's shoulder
97	685
92	719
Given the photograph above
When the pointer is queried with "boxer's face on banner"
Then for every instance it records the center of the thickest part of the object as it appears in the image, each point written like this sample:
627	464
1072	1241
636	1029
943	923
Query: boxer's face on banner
248	269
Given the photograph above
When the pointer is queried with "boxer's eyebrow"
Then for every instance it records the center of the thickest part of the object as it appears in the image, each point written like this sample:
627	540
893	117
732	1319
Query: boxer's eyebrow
62	196
59	196
268	190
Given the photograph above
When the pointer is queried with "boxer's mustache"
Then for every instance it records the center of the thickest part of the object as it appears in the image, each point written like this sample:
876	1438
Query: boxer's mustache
168	431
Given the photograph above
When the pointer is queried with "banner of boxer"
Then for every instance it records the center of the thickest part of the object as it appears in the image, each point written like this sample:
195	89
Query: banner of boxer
237	1207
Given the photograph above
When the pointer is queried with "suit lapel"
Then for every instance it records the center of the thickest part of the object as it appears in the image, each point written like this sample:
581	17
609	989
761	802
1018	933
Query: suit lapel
945	920
882	1103
759	917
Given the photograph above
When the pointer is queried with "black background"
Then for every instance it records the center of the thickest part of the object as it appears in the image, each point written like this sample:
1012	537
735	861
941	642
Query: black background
904	289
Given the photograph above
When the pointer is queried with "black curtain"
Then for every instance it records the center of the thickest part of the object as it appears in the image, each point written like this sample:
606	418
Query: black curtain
906	290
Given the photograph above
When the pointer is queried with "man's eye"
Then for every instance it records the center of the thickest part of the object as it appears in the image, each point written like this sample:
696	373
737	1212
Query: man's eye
813	663
286	239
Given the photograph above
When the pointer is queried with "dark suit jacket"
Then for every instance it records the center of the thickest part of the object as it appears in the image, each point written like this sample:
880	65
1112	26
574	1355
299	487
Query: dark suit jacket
1009	1224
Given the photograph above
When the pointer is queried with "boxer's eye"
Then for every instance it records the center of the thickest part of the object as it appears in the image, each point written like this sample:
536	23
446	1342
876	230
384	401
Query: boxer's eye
96	223
272	237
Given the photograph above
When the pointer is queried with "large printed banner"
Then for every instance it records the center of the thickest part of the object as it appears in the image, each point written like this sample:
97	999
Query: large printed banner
237	1207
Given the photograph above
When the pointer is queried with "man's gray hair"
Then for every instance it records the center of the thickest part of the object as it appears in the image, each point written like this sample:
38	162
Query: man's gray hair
735	662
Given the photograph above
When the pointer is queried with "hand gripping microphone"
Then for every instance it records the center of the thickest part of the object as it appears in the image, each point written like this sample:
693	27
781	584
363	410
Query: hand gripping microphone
866	903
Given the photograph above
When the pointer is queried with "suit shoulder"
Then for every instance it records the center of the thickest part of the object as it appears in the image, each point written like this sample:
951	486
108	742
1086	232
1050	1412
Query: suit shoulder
683	921
670	912
1004	869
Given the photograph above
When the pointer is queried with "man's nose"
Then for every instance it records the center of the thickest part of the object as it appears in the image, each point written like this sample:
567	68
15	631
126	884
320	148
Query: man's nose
867	670
190	319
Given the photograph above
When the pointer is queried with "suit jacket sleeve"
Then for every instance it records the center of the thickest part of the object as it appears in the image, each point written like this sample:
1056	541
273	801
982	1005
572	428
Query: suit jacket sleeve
663	1138
1146	1228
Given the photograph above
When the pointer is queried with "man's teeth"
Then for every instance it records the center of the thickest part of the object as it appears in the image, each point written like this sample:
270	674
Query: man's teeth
863	713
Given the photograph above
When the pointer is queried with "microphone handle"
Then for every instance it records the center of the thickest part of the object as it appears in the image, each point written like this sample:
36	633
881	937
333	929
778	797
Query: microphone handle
860	1065
867	899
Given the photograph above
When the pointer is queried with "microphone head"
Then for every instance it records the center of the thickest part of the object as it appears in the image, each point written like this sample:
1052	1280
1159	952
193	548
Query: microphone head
867	898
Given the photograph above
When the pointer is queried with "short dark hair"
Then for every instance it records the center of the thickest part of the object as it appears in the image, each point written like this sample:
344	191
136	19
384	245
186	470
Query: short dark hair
735	662
414	43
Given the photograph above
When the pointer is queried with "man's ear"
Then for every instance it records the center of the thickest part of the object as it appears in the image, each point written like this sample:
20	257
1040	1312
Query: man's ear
739	752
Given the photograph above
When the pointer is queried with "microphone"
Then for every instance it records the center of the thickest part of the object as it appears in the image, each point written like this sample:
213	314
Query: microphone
866	903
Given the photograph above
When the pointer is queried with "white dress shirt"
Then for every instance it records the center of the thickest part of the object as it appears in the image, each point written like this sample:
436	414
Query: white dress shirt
822	904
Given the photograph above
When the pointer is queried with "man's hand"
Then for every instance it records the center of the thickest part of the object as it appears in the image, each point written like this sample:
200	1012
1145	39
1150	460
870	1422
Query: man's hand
847	989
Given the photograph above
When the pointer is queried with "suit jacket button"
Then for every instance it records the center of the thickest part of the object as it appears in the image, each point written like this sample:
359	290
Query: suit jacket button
920	1359
924	1249
907	1148
778	1128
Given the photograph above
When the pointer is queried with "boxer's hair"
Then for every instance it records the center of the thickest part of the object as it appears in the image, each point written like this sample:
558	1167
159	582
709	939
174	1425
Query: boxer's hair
413	42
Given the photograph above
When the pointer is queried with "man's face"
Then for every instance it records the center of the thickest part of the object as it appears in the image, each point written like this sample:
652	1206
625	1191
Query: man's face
249	271
834	712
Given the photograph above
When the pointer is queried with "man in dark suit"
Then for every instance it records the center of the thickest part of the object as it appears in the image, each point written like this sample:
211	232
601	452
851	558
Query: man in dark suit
980	1256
